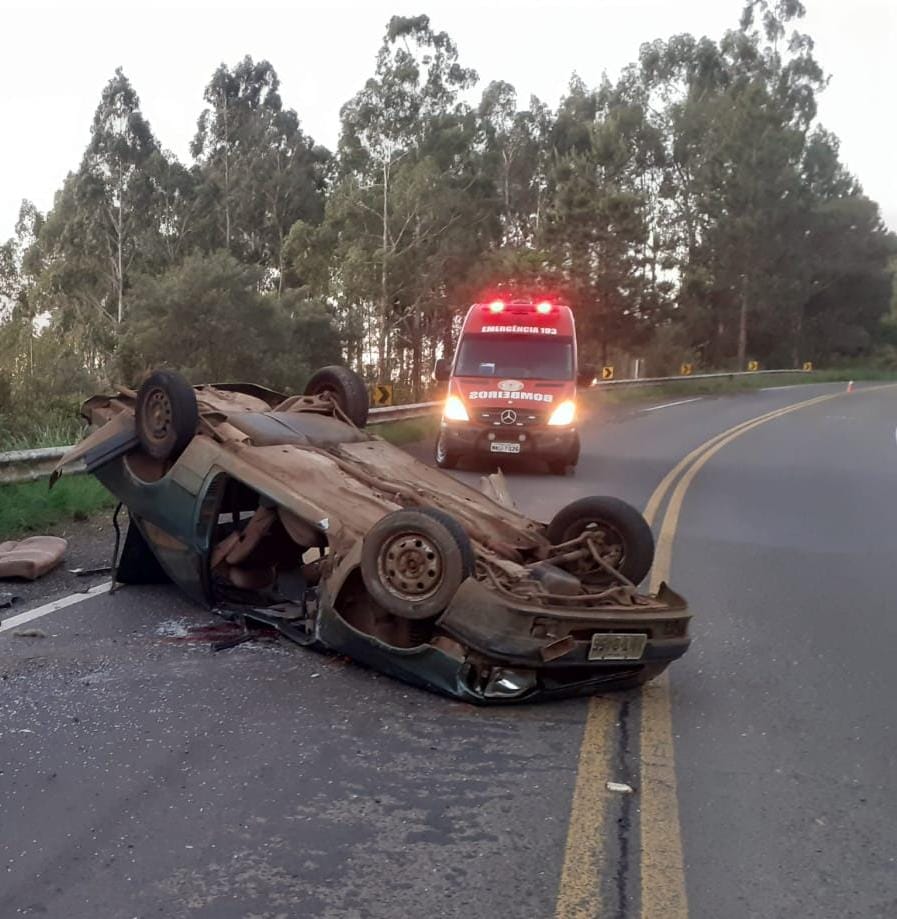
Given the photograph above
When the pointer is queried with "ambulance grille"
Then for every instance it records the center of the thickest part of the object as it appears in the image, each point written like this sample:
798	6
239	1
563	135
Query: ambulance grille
525	417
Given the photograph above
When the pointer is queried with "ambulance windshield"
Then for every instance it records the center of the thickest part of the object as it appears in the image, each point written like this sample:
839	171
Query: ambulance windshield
523	357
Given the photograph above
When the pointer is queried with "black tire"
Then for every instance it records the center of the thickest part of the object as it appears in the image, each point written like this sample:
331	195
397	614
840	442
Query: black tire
414	560
166	415
460	534
625	529
345	387
445	458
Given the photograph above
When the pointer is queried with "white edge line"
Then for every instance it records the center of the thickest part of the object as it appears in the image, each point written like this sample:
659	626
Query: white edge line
654	408
53	606
787	386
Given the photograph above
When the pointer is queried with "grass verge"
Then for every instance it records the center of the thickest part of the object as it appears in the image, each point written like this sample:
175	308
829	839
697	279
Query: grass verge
408	432
32	508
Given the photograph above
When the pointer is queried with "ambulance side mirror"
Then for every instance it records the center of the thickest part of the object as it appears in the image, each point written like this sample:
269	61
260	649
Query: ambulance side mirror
443	370
585	375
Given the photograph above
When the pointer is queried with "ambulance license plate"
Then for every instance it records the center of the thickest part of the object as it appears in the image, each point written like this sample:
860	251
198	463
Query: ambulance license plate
499	447
617	646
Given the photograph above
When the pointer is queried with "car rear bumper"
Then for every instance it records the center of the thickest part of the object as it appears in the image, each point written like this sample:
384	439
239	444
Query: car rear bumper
487	641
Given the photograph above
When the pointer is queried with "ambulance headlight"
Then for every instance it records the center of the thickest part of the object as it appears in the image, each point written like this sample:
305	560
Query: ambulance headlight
454	410
564	414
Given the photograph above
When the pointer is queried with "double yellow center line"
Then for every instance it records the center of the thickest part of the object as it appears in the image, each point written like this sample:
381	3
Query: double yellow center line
663	893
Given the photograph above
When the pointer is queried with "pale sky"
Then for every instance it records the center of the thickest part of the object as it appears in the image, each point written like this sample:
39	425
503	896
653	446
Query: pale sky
56	59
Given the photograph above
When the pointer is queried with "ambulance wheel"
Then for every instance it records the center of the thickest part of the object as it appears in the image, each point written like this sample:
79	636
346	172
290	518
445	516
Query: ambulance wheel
445	458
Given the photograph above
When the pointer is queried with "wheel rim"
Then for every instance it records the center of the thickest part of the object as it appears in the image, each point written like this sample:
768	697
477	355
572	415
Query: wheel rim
157	415
440	449
612	547
410	567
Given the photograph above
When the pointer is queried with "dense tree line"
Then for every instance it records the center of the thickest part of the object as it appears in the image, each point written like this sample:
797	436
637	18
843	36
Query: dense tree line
692	210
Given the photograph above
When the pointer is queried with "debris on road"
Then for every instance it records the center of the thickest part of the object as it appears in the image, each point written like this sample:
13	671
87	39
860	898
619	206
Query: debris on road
7	599
29	633
622	788
31	558
87	572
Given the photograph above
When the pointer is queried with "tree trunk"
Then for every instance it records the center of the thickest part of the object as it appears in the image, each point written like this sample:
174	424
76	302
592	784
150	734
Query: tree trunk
742	328
416	347
384	279
226	178
448	344
280	241
507	192
797	338
119	246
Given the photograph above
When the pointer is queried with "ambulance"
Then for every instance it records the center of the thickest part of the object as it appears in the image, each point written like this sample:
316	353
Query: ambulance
512	385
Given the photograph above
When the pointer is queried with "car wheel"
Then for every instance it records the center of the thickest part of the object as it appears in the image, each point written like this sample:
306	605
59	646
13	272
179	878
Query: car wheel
445	458
346	388
414	560
166	415
627	538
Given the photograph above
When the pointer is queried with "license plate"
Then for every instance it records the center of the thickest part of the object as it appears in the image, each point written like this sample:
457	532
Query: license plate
498	447
617	646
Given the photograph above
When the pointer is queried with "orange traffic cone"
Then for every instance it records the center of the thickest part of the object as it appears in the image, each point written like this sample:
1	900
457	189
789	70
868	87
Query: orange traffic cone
850	386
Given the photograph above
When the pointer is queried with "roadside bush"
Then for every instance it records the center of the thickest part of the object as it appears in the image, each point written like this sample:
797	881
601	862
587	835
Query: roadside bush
207	319
667	350
885	357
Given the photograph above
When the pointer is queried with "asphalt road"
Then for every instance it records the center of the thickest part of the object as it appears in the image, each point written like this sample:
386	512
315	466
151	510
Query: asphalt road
143	775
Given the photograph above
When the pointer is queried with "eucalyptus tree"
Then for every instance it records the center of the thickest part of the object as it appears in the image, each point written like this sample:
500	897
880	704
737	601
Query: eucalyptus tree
178	207
236	97
262	173
18	264
516	153
406	113
112	186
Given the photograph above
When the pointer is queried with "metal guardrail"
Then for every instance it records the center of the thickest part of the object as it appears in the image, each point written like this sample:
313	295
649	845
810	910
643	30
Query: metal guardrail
32	465
29	465
401	412
648	381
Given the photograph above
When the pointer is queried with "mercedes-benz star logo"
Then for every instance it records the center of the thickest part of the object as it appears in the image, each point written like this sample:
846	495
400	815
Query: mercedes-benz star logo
509	416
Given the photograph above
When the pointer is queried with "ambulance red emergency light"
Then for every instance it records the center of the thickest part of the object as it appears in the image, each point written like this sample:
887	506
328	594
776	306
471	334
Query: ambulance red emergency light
512	385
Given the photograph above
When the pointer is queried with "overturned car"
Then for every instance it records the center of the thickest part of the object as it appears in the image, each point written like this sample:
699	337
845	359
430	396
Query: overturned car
285	511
